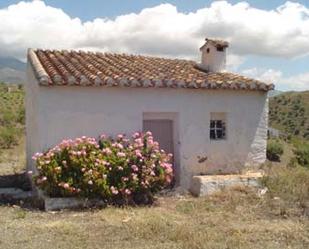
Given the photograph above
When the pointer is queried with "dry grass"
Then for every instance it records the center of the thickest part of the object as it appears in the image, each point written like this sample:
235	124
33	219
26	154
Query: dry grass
231	219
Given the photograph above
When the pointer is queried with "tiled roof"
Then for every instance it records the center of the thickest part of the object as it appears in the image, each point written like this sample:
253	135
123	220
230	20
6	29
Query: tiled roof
96	69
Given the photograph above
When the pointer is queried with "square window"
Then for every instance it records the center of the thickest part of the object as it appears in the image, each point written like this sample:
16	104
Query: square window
217	129
212	134
220	49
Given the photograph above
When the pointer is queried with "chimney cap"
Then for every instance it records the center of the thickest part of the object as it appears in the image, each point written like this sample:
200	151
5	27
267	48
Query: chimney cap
218	43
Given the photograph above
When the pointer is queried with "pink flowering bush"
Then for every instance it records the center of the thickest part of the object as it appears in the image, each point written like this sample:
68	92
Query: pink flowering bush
118	170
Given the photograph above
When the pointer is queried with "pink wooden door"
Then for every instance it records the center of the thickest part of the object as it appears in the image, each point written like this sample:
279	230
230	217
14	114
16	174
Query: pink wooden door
162	130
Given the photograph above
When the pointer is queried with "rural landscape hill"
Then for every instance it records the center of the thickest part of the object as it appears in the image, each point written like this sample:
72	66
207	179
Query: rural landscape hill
289	113
12	70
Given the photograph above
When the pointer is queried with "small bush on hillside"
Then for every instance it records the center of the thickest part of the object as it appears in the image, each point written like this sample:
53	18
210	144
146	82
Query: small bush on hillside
8	137
301	153
8	118
274	150
117	170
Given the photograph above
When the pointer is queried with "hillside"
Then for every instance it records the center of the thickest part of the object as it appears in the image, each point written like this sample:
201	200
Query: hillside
12	70
12	118
289	112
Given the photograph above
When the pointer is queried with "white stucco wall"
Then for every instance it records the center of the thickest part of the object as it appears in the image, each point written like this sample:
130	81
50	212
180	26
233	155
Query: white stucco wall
58	112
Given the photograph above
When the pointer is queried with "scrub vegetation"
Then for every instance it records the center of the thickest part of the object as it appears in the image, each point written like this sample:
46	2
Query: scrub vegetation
289	113
12	126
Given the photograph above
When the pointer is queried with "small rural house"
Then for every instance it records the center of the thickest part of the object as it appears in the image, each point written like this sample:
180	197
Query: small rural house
211	120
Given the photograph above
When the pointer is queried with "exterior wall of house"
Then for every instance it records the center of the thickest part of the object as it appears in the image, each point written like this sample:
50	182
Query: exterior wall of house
58	112
32	126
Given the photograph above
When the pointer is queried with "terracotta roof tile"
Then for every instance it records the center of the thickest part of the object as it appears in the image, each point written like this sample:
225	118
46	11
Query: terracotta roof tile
96	69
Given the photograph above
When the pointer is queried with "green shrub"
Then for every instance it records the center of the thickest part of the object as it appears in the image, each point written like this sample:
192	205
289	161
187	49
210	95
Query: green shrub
8	137
117	170
8	118
274	150
21	116
301	152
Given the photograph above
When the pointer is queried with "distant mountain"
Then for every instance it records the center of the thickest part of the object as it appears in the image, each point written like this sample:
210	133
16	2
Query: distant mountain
273	93
289	112
10	62
12	70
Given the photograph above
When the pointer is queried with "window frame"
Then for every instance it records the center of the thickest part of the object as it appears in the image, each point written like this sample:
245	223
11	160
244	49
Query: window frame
220	49
217	126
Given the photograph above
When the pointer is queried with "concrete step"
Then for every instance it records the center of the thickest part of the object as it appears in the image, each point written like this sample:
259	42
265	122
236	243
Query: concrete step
208	184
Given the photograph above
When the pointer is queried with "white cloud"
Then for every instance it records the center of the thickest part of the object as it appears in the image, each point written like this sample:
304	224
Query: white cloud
161	30
299	82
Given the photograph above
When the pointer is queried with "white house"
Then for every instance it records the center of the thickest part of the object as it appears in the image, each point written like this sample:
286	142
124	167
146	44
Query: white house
212	121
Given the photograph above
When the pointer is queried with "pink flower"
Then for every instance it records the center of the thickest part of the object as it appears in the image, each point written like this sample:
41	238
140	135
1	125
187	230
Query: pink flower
121	154
169	170
30	172
152	173
124	179
120	136
83	169
168	179
114	190
120	168
127	191
134	176
66	185
138	153
134	168
136	135
149	133
107	151
120	146
150	143
102	136
139	141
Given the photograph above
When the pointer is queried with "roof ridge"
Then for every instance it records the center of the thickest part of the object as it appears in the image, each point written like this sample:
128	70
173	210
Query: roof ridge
39	70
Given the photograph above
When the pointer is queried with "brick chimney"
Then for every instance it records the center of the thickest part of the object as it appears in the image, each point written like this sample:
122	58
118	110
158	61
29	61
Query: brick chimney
213	55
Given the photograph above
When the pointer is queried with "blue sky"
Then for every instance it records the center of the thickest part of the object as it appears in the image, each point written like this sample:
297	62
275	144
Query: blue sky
268	42
90	9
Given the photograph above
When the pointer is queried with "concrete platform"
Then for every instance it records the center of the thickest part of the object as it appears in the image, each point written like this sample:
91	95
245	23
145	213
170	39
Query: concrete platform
208	184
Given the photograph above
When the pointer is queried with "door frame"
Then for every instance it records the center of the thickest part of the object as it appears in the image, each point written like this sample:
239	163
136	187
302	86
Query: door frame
173	116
